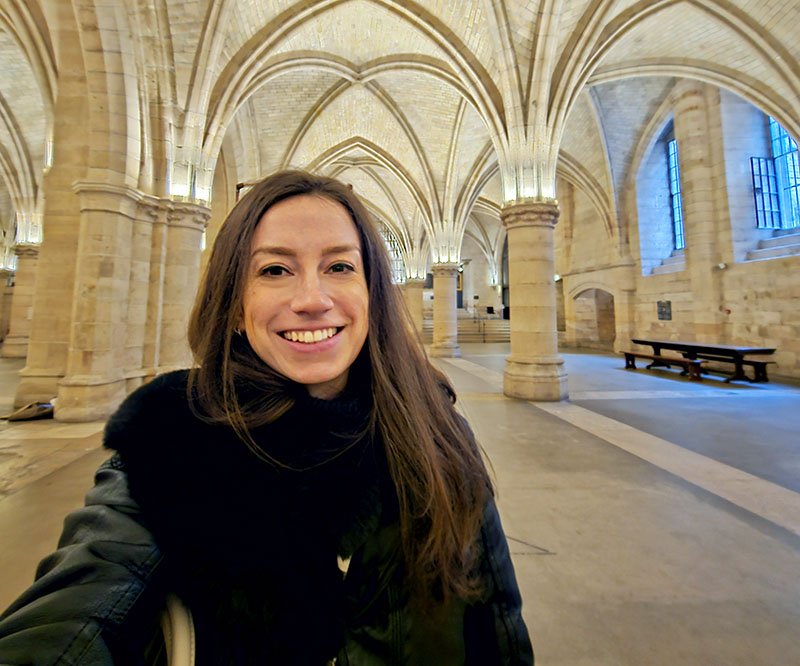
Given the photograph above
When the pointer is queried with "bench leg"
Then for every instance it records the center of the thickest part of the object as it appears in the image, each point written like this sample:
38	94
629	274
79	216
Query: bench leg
630	362
760	372
694	373
738	374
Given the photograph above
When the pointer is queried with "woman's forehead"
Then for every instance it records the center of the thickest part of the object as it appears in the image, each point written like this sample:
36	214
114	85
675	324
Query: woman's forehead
306	221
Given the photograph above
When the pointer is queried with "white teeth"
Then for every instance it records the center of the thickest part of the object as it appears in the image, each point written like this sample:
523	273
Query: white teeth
310	336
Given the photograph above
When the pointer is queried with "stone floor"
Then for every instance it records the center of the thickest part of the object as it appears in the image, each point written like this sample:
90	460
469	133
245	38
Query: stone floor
652	520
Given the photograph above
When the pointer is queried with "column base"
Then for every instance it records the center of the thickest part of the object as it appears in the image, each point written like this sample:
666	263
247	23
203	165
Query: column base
82	399
14	347
445	350
35	388
539	379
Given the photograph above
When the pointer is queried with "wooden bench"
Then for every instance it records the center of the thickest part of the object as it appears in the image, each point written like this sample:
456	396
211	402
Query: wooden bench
690	366
759	367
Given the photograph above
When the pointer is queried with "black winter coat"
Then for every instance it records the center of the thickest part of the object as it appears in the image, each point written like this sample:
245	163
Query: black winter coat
251	549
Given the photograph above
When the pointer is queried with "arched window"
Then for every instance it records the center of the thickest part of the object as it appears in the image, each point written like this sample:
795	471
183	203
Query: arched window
679	239
776	182
395	253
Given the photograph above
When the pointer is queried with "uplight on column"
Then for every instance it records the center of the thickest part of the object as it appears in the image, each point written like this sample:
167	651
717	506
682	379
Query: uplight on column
8	260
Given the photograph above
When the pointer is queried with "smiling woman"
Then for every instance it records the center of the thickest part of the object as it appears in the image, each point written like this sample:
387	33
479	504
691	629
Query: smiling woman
307	489
306	299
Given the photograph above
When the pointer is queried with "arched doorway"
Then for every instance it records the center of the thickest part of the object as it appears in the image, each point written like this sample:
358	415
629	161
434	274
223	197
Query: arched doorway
595	319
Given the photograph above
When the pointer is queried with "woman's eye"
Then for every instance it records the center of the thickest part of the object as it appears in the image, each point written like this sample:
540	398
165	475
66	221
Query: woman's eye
341	267
273	271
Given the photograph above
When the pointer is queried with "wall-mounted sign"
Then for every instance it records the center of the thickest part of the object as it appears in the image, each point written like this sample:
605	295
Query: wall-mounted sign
664	310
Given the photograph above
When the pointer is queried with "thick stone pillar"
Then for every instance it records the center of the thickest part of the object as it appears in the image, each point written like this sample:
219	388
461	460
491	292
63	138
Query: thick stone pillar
413	295
534	370
94	383
16	342
48	348
693	131
185	225
445	321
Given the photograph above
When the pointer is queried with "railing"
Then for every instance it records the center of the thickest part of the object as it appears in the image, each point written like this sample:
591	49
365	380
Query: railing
474	329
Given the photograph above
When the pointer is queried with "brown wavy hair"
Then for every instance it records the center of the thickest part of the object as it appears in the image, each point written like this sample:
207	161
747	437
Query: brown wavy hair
439	477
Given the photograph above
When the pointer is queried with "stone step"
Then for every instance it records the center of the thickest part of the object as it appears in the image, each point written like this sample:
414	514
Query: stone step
672	267
774	252
674	258
674	263
469	330
789	239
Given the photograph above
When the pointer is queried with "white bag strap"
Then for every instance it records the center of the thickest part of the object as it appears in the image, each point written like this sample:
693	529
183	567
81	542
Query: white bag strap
178	628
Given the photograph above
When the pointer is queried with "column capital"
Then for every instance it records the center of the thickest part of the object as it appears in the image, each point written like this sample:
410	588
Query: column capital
529	213
186	214
27	250
152	207
415	282
445	269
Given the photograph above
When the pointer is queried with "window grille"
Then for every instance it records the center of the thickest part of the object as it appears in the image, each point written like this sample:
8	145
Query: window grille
675	194
765	191
395	253
776	182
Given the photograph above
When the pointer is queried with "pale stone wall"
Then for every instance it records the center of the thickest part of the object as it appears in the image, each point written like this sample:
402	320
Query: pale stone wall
654	207
762	306
596	248
746	135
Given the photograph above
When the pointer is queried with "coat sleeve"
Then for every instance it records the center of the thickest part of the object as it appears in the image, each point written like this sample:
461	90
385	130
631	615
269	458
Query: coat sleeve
96	599
494	630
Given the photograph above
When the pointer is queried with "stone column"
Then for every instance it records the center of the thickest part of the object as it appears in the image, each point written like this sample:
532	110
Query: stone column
185	225
570	331
16	342
151	353
94	383
73	142
534	370
625	316
445	321
138	292
413	296
468	285
693	131
6	294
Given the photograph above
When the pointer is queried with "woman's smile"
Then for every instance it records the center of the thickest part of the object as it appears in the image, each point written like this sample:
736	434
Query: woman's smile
311	337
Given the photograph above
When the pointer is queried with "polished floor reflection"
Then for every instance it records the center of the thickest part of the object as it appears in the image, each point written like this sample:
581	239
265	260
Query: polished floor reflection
652	520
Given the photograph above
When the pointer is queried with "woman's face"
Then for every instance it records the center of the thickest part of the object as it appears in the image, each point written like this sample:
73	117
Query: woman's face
306	300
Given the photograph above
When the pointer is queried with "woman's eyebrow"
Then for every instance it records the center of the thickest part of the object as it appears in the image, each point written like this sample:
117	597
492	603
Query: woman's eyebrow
289	252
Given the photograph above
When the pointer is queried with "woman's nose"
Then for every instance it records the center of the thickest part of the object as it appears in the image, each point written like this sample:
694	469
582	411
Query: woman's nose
311	297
